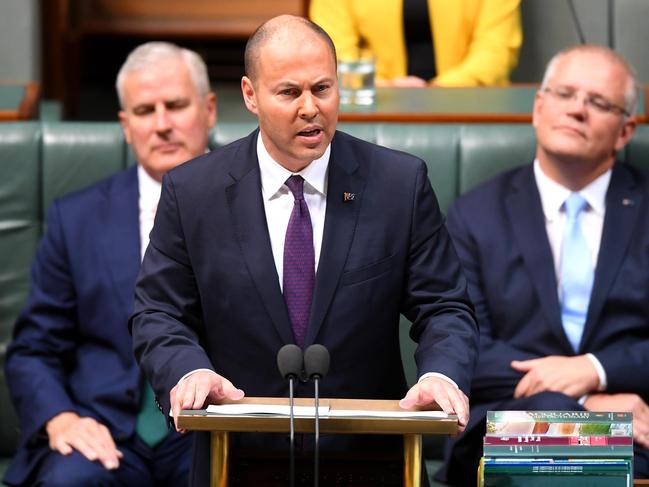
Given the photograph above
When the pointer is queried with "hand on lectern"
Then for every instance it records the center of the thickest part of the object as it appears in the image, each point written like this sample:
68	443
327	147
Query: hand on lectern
199	388
435	390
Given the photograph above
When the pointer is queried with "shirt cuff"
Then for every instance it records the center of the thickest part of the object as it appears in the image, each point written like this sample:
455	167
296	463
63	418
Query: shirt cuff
439	376
601	373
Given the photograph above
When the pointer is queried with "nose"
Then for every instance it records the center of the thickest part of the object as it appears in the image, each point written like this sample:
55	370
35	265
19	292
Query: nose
309	107
577	106
162	120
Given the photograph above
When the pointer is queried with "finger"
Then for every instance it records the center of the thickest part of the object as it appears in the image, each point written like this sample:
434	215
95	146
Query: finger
61	446
94	440
522	386
230	391
81	444
174	404
641	414
187	393
201	389
107	450
522	365
411	398
460	404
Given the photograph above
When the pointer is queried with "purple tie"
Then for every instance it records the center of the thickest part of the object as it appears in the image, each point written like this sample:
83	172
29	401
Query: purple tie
299	262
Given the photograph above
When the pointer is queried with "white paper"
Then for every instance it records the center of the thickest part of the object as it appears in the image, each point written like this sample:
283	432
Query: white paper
265	409
335	413
323	411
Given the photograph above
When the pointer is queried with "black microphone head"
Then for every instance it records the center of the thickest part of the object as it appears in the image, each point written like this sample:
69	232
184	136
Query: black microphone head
290	361
316	361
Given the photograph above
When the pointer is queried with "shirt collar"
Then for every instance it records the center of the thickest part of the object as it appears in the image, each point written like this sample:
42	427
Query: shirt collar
274	175
553	194
149	189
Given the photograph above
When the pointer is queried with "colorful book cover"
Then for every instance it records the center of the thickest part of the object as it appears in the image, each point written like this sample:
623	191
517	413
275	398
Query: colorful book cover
541	472
572	467
598	440
531	450
559	423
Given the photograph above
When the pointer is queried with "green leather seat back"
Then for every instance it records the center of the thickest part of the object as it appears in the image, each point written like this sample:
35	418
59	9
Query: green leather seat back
20	217
637	151
437	145
76	155
487	150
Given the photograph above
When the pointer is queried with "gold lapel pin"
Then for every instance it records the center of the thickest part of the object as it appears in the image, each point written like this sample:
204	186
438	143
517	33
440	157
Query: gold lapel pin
348	196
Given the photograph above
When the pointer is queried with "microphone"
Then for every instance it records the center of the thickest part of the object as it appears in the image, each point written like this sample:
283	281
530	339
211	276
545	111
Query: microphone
316	364
290	363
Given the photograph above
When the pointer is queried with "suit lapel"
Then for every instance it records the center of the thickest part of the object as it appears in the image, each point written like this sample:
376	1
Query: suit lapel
247	210
340	223
623	201
121	237
526	215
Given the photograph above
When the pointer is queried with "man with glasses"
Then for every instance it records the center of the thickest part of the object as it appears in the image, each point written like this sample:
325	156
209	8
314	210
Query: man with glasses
556	255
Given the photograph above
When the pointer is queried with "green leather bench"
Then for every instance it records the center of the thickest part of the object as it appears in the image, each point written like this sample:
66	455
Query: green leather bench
42	161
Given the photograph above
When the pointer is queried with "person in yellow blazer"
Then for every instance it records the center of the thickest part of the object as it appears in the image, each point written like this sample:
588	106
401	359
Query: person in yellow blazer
476	42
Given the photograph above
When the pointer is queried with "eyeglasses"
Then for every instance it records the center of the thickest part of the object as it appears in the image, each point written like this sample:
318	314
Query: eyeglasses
596	102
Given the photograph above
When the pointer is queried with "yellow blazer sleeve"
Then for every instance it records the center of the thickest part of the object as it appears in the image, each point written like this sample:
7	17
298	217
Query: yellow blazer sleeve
362	27
478	51
337	19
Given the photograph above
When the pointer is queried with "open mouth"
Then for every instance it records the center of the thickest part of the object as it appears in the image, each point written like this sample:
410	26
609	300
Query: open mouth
310	133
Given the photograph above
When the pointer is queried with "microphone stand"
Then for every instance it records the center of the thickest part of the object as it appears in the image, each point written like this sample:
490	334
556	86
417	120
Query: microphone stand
290	362
291	400
316	364
316	447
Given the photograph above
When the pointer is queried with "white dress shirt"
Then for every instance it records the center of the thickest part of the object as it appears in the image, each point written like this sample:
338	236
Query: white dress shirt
553	195
149	195
279	201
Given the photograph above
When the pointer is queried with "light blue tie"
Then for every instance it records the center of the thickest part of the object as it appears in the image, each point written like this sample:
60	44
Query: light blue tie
576	272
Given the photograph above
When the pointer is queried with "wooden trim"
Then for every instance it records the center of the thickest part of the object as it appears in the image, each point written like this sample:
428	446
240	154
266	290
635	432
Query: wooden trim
435	117
29	106
199	421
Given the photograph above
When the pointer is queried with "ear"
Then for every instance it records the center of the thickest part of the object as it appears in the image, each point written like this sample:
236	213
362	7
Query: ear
626	132
126	128
536	111
249	95
211	109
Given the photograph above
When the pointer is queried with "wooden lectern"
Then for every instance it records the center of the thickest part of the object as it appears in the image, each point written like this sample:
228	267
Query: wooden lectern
410	428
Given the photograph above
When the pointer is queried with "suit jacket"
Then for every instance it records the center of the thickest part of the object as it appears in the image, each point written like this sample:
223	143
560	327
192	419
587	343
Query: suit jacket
71	350
499	232
208	294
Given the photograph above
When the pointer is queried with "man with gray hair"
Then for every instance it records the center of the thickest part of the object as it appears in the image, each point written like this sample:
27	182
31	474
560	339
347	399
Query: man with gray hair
87	414
555	253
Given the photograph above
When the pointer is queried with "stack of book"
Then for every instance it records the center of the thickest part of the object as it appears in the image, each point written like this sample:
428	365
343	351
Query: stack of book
541	448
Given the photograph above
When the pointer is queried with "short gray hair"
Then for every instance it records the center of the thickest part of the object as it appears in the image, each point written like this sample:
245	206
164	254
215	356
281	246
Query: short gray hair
632	91
146	55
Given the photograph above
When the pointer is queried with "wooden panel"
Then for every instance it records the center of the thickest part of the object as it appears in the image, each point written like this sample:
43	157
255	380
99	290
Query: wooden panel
187	18
22	100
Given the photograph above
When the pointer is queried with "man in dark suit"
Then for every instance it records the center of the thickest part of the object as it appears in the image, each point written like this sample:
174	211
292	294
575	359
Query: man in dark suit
562	289
76	386
215	296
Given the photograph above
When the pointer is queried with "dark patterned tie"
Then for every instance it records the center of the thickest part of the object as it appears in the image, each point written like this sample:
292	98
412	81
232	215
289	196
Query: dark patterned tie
299	262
